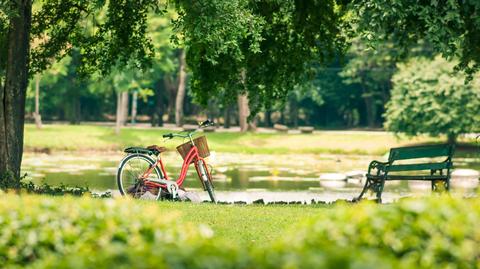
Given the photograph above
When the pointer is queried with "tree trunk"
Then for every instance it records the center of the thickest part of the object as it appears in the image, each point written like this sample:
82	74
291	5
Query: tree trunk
125	98
122	110
157	116
134	106
73	108
226	117
12	95
294	112
171	90
182	75
212	110
282	117
36	115
118	118
452	139
268	118
243	112
371	110
243	109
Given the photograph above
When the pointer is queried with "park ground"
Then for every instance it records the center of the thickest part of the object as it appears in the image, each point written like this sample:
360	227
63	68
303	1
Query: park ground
244	224
239	224
86	138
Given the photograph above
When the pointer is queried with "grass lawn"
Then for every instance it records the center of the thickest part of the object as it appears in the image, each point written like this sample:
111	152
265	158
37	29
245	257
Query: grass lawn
102	138
245	224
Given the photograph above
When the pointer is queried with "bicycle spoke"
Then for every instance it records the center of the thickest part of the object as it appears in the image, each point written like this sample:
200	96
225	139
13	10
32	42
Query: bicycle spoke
130	177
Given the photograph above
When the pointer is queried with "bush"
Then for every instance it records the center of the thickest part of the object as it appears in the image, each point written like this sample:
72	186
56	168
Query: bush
67	232
435	232
429	97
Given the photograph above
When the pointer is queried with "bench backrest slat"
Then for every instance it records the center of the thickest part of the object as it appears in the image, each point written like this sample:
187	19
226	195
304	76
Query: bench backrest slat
418	167
430	151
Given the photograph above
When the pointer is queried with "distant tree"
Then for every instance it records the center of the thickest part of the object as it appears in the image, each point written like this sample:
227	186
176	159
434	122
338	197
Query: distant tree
162	76
124	82
372	71
309	92
429	97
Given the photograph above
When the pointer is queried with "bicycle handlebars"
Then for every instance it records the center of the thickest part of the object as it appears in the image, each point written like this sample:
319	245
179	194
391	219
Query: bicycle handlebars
203	124
170	135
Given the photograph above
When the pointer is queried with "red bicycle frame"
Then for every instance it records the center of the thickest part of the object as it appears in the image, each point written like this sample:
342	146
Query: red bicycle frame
192	156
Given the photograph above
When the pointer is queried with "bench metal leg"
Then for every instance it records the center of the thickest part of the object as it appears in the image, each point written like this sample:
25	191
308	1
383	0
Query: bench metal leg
379	189
364	190
446	182
374	185
446	185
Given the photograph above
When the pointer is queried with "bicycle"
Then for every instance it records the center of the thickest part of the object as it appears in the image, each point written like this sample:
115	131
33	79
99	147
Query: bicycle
141	176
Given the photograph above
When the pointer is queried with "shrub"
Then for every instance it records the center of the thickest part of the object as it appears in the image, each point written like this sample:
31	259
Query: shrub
67	232
62	189
429	97
434	232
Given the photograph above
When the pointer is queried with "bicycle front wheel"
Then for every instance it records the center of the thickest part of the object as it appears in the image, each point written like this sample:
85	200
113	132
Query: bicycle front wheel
211	193
129	177
207	181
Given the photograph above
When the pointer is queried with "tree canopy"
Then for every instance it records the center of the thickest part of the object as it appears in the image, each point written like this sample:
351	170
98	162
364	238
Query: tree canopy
106	33
33	37
263	48
451	27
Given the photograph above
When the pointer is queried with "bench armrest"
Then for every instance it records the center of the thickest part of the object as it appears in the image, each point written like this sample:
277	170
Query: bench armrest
379	166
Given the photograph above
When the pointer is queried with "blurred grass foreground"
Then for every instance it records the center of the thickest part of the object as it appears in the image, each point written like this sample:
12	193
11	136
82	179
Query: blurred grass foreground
68	232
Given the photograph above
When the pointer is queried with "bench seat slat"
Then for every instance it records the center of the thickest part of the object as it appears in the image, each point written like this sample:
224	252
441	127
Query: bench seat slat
409	177
417	166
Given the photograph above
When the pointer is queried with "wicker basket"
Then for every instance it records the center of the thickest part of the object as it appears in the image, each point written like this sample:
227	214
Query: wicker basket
200	142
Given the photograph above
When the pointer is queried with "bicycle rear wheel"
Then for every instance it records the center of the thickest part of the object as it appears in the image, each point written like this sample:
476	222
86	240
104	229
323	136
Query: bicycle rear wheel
129	177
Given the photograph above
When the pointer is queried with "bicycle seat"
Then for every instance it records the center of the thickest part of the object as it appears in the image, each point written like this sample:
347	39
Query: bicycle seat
156	148
150	150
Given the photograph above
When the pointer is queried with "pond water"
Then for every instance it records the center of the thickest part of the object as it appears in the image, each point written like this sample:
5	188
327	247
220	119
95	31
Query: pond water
242	177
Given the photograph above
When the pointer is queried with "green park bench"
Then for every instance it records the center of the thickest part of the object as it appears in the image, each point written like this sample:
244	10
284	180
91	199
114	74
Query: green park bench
379	172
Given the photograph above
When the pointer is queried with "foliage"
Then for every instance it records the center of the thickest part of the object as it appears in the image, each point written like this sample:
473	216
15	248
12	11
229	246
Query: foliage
371	71
415	233
257	47
62	88
8	182
5	13
430	97
368	67
40	231
81	233
30	187
107	33
452	27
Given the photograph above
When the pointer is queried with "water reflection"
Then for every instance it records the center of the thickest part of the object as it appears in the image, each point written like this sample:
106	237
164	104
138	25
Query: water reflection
245	177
